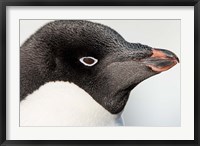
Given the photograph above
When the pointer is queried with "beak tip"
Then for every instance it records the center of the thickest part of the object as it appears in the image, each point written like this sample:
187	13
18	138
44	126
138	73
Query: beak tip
177	59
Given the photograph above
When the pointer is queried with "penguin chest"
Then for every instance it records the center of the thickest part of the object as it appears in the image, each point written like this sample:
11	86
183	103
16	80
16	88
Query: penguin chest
64	104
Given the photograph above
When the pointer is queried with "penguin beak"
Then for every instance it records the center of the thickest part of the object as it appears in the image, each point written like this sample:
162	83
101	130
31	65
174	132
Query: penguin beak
161	60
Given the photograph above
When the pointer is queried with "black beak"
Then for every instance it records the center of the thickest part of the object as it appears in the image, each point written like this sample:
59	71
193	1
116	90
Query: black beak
161	60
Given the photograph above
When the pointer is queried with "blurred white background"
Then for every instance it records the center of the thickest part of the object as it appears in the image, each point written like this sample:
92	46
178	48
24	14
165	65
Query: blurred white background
156	101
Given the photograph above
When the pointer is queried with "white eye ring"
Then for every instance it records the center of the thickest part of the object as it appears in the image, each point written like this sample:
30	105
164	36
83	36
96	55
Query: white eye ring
88	61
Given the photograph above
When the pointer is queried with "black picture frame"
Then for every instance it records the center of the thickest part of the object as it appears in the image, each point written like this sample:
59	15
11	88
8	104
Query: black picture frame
5	3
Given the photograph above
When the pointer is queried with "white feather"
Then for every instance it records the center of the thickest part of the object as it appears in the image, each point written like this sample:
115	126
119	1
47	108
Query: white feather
64	104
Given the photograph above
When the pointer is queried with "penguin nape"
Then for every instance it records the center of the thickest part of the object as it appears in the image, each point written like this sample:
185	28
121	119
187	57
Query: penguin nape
80	73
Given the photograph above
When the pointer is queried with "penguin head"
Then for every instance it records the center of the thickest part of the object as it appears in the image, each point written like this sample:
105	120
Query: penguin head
94	57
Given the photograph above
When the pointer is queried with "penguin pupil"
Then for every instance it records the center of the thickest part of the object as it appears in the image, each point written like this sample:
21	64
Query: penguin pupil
88	60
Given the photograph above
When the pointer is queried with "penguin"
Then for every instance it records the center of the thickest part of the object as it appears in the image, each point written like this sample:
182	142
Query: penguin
80	73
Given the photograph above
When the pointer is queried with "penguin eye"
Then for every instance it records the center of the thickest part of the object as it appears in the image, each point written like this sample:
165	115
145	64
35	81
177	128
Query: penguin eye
88	61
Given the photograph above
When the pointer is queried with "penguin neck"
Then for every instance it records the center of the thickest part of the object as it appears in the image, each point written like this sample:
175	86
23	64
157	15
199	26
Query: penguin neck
64	104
